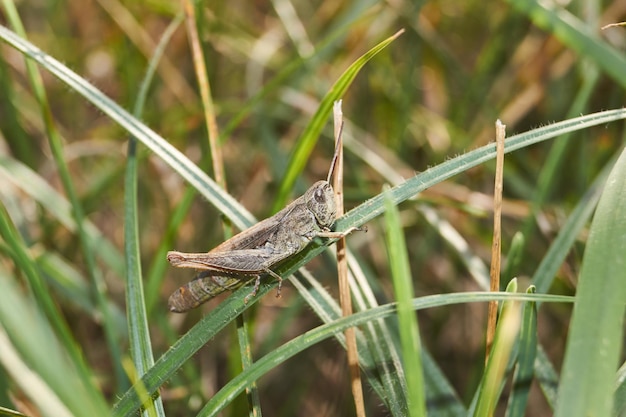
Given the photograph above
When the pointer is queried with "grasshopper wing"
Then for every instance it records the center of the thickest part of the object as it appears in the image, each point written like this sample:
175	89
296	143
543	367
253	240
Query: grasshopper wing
240	262
258	235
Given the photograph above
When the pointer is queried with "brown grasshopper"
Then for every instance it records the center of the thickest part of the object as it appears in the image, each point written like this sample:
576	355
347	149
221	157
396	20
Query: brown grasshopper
253	252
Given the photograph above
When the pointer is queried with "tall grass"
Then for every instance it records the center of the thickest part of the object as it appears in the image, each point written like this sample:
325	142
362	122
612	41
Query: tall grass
93	196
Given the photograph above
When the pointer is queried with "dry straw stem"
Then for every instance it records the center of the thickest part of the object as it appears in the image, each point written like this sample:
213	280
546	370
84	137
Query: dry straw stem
205	92
496	247
342	269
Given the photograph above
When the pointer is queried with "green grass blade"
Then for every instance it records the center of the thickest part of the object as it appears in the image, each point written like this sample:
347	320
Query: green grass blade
513	258
156	273
597	329
245	354
504	340
407	320
547	377
307	141
527	352
187	346
139	334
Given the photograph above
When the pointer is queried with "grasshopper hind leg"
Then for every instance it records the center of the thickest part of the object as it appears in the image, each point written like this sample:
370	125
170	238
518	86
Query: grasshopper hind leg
257	284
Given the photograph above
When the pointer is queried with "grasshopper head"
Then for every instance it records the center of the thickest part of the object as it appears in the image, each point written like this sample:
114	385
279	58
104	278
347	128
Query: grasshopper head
320	200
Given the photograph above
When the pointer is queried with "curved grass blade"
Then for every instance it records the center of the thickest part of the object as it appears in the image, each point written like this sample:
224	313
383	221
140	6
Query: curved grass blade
307	141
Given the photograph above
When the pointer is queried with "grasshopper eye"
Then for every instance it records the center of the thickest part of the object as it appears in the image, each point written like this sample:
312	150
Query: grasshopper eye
319	195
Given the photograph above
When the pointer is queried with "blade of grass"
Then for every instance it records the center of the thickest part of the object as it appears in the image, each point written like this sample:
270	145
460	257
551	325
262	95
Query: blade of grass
245	354
527	352
381	339
156	272
307	140
9	412
68	281
20	145
39	393
205	92
597	330
506	334
139	334
547	377
407	321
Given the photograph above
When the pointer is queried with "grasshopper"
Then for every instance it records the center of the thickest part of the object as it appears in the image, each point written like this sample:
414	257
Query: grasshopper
253	252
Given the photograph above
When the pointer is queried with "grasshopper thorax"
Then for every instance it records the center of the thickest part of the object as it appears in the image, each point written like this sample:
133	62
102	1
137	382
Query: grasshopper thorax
320	200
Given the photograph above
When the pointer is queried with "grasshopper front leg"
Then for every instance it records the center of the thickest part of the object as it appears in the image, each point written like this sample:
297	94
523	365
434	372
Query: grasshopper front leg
338	235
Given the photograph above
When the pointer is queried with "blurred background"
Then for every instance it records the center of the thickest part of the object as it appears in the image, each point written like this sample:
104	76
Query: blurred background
434	93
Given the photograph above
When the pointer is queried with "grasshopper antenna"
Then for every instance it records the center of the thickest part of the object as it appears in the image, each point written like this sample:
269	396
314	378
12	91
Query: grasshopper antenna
336	155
